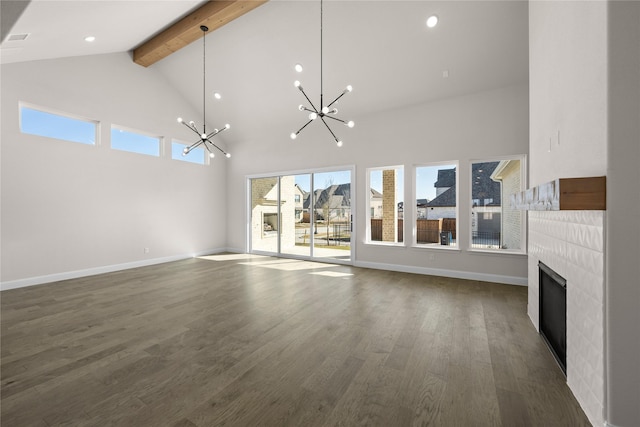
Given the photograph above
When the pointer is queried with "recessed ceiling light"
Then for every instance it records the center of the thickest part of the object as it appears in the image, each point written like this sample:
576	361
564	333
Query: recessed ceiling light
298	68
90	39
217	95
432	21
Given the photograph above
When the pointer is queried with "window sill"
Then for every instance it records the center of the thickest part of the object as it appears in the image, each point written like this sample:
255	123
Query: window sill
437	247
497	252
392	244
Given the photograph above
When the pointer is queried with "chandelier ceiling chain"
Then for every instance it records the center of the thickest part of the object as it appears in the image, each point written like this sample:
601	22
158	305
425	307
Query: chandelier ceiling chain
205	139
325	112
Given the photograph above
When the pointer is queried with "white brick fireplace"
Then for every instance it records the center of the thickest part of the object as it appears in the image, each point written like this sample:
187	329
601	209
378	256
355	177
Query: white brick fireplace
572	244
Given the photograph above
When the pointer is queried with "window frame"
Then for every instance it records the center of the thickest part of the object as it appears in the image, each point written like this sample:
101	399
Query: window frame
414	194
63	114
523	218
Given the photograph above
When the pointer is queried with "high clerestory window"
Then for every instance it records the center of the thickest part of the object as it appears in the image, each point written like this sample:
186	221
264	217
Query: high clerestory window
61	126
197	155
135	141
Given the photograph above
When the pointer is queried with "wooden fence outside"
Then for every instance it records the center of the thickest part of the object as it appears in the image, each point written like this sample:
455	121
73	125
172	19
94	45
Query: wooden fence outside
428	230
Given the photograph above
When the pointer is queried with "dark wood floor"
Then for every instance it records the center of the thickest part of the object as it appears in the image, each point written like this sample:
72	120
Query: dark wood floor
209	342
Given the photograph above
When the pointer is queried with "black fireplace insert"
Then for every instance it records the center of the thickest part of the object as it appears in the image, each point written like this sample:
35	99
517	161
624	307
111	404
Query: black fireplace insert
553	313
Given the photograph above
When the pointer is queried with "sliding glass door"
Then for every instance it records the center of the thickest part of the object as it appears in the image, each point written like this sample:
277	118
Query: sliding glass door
265	221
332	208
304	215
295	237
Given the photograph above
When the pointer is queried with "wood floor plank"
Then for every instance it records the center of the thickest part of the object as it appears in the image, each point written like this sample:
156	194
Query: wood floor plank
315	406
208	341
427	401
513	409
347	410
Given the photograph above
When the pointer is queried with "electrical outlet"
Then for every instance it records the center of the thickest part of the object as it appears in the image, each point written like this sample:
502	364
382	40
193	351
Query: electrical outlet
146	250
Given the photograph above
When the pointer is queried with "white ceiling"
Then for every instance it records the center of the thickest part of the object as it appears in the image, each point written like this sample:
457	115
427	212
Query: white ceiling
57	28
382	48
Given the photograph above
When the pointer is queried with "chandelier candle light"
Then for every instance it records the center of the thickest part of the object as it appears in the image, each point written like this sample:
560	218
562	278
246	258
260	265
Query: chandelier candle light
205	138
324	112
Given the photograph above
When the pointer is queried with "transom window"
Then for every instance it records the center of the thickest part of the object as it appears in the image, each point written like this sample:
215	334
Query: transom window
135	141
36	121
196	155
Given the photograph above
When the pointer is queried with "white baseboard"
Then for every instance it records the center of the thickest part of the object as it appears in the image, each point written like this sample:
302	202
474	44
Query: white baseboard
469	275
56	277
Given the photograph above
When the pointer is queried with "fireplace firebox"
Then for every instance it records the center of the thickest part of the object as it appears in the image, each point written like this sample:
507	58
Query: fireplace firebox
553	313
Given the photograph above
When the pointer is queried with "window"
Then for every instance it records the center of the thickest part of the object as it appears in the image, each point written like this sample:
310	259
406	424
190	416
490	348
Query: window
385	204
135	142
38	122
436	212
197	155
495	225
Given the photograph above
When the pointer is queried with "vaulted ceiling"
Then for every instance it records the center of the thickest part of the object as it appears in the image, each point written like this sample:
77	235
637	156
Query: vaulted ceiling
382	48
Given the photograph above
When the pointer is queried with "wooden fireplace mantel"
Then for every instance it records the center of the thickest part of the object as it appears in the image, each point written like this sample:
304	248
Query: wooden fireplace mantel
564	194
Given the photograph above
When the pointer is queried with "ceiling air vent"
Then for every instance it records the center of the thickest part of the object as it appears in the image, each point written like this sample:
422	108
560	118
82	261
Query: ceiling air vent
17	37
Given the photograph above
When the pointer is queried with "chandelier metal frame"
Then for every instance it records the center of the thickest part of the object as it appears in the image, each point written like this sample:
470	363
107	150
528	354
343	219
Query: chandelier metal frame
205	138
324	112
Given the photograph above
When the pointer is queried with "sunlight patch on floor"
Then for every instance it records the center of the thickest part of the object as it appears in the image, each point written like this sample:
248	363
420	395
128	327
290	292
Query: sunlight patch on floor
277	263
289	265
231	257
331	273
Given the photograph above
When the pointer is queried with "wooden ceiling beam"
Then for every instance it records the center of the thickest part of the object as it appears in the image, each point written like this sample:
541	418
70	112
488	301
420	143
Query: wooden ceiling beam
214	14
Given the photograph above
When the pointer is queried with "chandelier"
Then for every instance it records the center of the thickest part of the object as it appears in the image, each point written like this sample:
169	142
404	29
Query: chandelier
325	111
205	138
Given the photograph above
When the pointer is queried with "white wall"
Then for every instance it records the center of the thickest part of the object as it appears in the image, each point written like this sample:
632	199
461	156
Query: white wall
623	216
73	209
477	126
568	94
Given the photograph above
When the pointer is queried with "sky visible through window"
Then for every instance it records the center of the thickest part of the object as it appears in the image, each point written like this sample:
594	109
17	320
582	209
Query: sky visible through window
195	156
375	180
323	179
36	122
426	177
42	123
134	142
51	125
